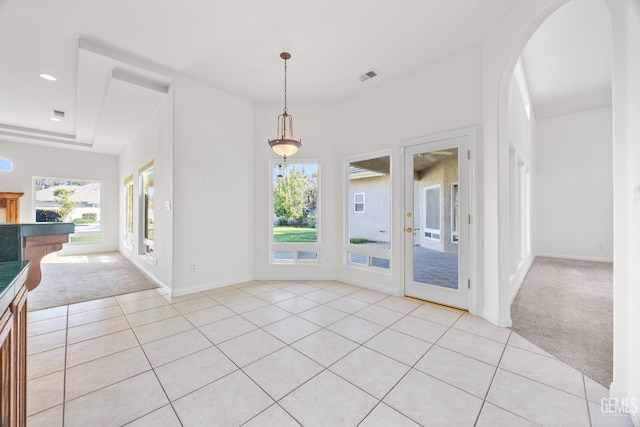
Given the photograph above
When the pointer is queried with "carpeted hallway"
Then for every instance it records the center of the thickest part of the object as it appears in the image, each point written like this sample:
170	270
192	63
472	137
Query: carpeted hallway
566	307
72	279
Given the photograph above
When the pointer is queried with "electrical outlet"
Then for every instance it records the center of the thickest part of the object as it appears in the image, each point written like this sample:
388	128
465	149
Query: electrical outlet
167	205
193	267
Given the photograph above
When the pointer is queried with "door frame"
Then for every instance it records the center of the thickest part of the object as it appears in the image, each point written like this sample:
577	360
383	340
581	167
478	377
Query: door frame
475	238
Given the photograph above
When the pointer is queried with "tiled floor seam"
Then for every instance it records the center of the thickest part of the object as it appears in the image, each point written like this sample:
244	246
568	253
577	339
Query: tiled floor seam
544	384
539	354
64	377
153	369
505	344
384	328
586	398
277	402
324	369
379	401
493	378
360	345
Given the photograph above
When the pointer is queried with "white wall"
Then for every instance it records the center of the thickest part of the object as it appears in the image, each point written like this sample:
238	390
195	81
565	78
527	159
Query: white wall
317	126
213	209
625	16
500	52
522	128
441	97
574	196
154	142
30	160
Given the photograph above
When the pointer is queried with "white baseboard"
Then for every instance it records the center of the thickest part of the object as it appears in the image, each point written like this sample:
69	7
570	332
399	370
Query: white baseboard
214	285
576	257
209	286
148	274
516	280
373	287
496	320
633	402
293	277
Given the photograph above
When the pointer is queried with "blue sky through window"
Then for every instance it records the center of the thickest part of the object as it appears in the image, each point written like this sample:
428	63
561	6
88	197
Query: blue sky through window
6	165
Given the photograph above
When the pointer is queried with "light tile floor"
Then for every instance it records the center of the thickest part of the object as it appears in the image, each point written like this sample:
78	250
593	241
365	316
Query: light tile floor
314	353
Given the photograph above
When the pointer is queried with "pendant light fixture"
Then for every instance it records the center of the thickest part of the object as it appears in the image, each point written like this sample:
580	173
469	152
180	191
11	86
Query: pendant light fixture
285	145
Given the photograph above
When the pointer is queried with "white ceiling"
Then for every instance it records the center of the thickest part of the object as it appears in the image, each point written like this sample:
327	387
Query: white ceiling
233	45
567	62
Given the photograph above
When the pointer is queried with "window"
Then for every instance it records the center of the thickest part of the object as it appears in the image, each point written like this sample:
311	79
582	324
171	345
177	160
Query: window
6	165
147	209
455	212
369	233
294	212
70	200
128	211
358	202
432	212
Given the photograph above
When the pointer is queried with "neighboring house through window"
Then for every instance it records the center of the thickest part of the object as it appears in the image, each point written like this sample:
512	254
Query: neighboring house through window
70	200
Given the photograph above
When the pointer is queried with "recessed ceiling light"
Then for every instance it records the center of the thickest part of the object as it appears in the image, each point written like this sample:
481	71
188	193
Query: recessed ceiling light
55	119
48	77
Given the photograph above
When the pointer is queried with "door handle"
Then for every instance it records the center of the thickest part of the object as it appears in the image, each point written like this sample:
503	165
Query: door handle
409	230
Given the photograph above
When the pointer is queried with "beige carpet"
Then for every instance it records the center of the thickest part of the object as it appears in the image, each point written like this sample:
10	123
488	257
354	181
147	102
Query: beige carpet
566	308
71	279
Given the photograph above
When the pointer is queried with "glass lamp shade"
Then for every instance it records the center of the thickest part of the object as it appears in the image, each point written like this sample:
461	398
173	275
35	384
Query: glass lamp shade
285	145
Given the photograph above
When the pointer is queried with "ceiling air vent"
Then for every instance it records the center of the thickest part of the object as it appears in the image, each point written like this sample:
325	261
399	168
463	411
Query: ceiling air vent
58	113
368	75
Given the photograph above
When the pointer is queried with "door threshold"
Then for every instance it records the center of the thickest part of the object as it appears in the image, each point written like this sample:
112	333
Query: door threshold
437	305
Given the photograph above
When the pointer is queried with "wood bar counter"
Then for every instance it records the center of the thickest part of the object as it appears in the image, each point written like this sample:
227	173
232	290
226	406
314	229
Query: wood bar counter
22	246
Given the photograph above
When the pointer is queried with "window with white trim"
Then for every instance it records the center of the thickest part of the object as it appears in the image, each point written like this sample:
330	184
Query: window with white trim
432	210
368	243
128	212
455	212
294	212
70	200
358	202
147	191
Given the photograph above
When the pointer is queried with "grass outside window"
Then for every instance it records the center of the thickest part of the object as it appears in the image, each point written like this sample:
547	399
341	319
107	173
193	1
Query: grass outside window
294	235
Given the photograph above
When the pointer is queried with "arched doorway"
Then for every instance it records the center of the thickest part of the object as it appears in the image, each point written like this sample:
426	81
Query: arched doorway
561	145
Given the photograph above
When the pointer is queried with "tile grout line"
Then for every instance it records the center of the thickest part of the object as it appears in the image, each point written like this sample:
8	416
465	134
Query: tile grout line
411	367
64	378
290	345
324	369
586	397
493	377
152	370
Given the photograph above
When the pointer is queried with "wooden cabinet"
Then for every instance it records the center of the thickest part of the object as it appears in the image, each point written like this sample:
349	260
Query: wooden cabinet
10	207
13	362
19	314
7	370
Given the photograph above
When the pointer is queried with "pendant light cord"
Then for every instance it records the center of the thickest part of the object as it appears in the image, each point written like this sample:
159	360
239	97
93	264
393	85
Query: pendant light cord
285	86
